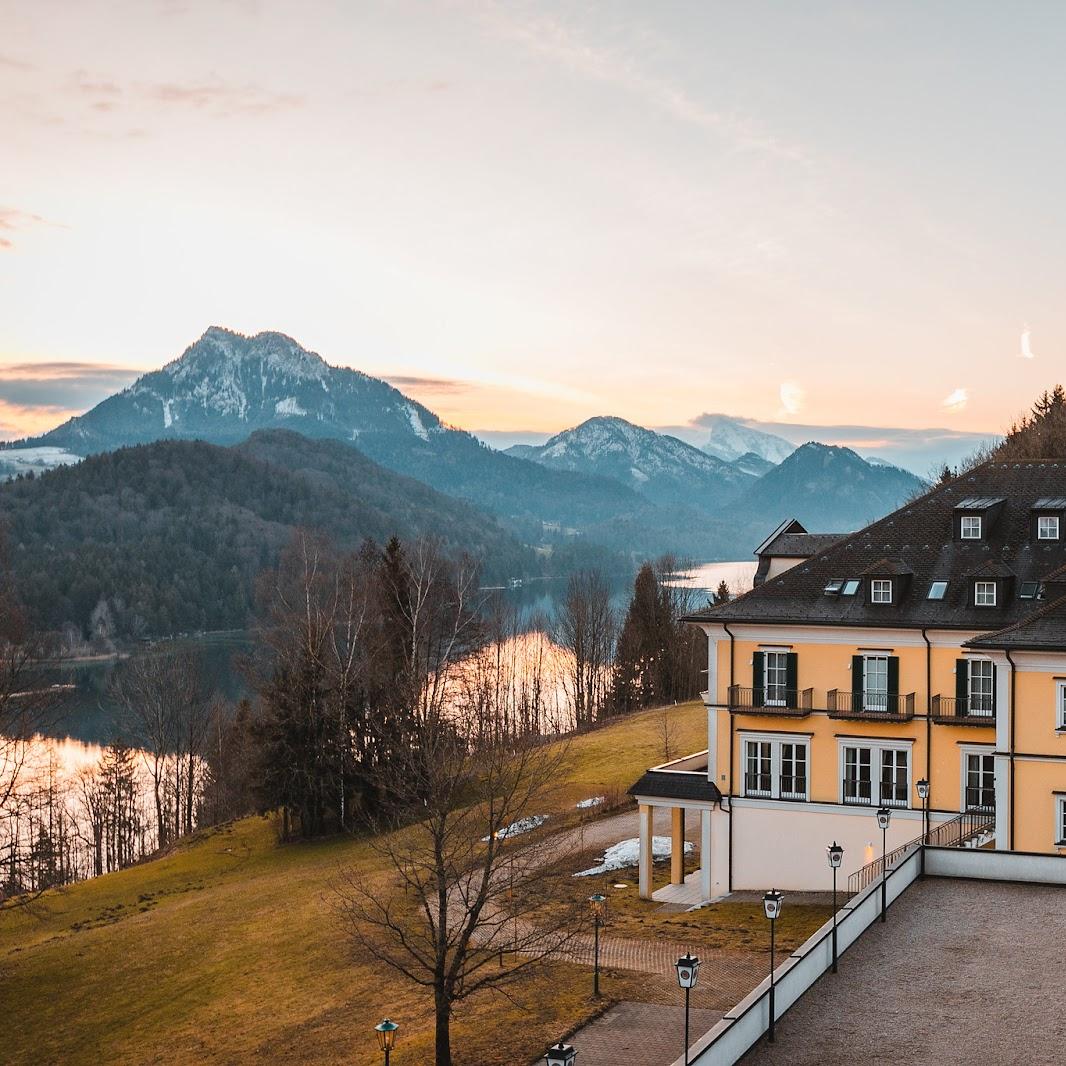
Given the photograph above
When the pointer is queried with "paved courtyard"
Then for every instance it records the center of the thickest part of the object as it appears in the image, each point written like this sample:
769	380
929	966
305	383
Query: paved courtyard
962	972
640	1034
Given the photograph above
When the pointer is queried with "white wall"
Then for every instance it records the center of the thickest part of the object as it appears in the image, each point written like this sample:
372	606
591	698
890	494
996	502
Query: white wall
783	846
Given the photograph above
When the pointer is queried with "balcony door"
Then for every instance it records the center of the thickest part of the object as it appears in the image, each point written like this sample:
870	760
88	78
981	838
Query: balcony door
775	678
981	691
875	683
980	782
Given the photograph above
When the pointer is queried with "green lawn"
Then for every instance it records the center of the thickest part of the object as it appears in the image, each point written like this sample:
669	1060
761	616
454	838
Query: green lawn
227	950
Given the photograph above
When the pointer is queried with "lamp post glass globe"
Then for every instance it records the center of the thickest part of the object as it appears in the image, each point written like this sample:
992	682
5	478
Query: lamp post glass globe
884	816
771	904
598	905
688	970
386	1031
923	789
560	1055
835	854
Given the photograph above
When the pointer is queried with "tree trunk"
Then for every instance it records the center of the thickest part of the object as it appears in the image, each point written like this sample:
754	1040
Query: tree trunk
443	1029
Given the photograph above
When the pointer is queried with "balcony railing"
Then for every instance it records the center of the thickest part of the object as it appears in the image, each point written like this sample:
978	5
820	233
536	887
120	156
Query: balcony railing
974	710
843	703
981	799
790	786
859	792
771	699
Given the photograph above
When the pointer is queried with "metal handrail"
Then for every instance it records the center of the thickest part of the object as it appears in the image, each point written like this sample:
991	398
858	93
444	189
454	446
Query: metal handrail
973	710
952	834
770	698
842	702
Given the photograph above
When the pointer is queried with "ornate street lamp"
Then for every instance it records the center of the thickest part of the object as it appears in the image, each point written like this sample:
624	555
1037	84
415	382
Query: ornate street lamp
386	1031
835	854
771	905
688	973
884	816
560	1054
598	906
923	794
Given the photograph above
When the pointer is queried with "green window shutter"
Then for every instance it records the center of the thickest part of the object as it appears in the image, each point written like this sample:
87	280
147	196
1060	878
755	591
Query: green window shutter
962	684
792	679
858	669
757	680
893	683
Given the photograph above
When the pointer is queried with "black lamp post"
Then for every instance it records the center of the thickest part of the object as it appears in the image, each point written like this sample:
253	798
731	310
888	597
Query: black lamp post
923	794
386	1031
884	816
560	1054
688	973
771	905
598	905
835	854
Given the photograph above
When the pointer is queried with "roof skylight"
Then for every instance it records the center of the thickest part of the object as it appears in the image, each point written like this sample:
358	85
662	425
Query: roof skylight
851	586
1028	590
833	587
937	590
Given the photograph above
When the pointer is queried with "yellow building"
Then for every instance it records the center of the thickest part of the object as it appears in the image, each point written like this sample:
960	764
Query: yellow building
928	647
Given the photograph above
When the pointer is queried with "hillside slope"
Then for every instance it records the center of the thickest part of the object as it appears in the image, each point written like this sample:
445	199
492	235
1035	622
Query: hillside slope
227	950
172	535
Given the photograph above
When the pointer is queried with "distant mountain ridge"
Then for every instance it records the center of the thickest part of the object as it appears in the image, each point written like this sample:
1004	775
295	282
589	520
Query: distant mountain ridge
662	468
226	385
730	439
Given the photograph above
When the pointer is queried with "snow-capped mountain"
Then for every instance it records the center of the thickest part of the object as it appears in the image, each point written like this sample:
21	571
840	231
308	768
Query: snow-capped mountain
659	467
730	439
226	386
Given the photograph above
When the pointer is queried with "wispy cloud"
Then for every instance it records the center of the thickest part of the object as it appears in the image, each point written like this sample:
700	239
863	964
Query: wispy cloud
19	420
212	95
956	401
427	384
14	220
65	386
558	42
793	396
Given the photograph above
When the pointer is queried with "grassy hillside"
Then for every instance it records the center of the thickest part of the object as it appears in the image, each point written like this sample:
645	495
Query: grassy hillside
227	951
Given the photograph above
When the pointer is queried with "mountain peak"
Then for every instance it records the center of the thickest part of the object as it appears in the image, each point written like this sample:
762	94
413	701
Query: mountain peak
732	437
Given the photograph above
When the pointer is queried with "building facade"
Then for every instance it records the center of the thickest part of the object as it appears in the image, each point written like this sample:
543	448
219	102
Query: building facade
930	646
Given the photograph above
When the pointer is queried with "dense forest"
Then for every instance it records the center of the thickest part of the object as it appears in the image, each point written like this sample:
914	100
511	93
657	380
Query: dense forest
170	537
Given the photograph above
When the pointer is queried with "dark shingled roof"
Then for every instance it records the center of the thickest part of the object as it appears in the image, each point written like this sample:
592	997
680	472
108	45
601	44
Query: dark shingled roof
679	786
1043	630
801	545
920	537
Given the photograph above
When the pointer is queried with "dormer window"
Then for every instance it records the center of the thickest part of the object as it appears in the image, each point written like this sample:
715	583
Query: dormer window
1047	527
880	590
970	527
984	593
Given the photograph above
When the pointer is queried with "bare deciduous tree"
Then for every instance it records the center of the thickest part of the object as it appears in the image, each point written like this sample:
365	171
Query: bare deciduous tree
463	890
585	627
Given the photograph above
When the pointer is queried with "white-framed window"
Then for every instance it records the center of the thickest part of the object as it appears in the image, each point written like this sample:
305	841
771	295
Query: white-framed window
970	527
978	780
775	678
1047	527
776	766
880	590
875	773
981	687
984	593
875	683
1060	821
1060	704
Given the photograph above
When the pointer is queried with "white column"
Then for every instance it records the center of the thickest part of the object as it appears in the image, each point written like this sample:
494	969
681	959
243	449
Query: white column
645	815
719	831
705	856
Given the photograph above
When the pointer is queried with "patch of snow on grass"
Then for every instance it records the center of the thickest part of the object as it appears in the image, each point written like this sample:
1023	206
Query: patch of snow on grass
592	801
523	825
627	853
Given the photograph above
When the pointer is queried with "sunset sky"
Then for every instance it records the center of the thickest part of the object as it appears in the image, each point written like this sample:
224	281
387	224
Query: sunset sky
838	216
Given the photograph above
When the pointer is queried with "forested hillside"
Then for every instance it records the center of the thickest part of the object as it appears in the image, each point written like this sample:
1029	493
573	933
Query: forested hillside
170	537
